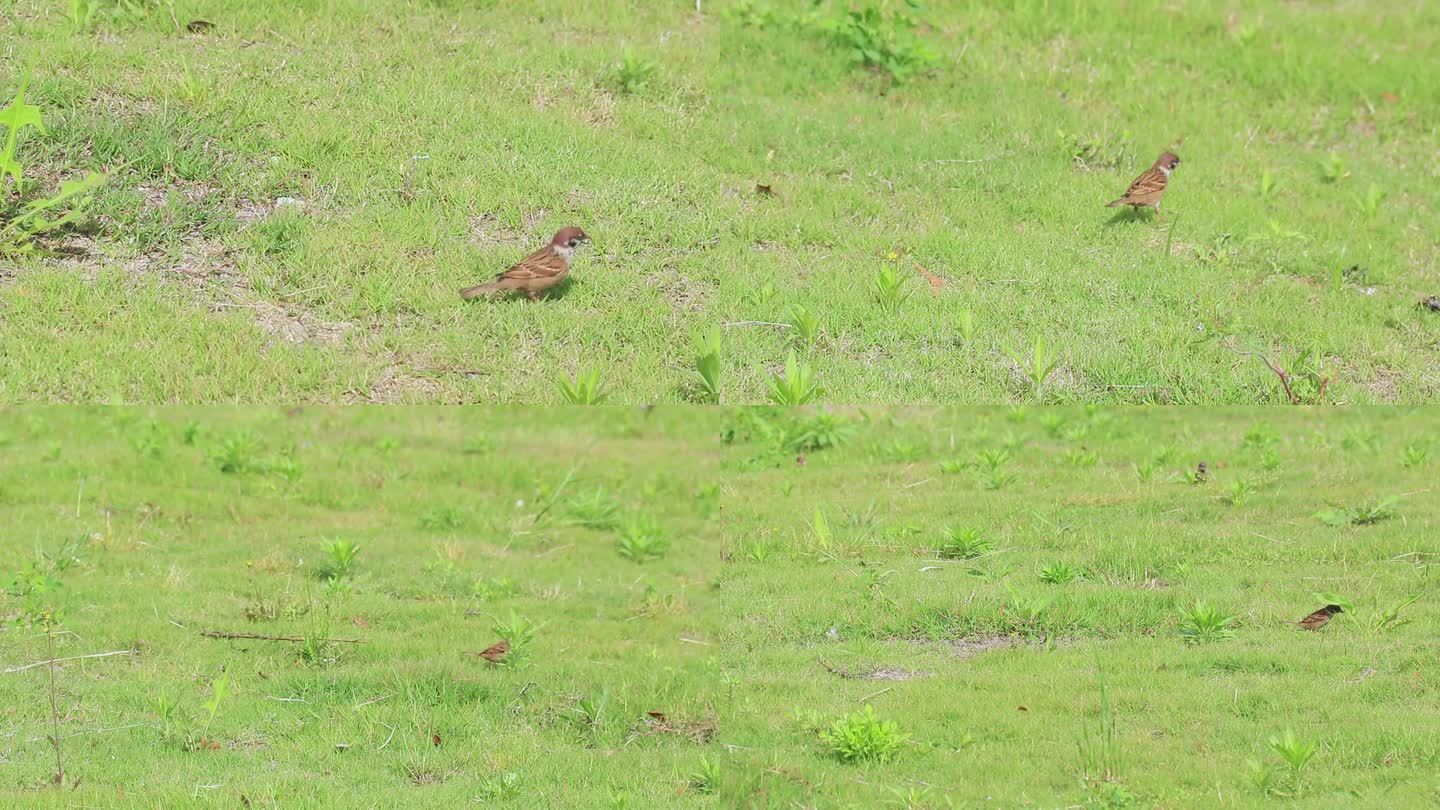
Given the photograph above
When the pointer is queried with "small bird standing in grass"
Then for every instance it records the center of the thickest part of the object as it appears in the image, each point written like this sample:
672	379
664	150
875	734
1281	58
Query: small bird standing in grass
538	272
1319	618
495	653
1149	187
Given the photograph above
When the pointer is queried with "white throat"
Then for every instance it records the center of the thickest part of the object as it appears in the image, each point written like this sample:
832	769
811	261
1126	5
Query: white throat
1165	172
565	252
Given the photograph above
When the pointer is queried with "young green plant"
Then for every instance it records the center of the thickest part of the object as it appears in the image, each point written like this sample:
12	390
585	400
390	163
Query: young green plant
707	361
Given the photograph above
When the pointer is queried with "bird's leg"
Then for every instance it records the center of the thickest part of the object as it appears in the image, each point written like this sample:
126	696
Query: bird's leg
1159	215
532	295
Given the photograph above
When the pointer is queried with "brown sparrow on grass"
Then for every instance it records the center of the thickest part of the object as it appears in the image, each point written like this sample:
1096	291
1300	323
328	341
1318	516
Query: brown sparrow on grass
495	653
1149	187
539	271
1319	618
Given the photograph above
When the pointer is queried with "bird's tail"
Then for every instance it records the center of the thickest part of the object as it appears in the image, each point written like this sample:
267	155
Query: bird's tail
479	290
1118	202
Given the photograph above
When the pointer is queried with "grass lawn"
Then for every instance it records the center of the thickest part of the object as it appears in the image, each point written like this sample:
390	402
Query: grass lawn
1072	567
296	194
147	530
1037	654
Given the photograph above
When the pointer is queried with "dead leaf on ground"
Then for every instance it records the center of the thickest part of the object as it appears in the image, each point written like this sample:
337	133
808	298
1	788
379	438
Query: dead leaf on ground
937	283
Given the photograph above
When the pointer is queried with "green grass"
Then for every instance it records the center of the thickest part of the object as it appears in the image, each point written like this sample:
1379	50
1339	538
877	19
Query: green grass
812	634
417	531
1065	662
431	144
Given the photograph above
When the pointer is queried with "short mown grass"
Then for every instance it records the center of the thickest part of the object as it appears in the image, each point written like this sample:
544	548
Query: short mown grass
1083	636
758	607
296	193
425	535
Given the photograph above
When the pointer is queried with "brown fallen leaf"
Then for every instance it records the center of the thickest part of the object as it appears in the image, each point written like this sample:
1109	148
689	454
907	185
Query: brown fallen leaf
657	715
764	190
1024	709
435	740
199	26
937	283
359	621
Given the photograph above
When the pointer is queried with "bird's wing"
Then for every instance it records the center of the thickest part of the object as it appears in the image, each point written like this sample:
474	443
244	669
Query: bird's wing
1149	184
543	263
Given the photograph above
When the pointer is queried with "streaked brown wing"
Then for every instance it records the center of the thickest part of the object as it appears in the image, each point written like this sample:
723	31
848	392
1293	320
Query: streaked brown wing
543	263
1147	187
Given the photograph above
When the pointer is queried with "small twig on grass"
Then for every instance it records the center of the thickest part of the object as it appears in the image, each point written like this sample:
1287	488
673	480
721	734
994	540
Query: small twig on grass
260	637
972	160
54	707
729	324
1285	377
555	498
876	694
372	700
68	658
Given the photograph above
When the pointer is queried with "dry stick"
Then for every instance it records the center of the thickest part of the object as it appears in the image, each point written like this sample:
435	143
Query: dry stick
259	637
1283	375
729	324
54	709
373	700
876	694
561	489
68	658
1284	379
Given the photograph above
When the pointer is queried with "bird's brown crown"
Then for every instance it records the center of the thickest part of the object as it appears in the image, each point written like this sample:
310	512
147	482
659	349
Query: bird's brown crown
1168	160
569	237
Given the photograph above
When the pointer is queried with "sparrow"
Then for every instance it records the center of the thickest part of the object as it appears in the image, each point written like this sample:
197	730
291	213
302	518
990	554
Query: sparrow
1319	618
539	271
1149	187
495	652
1202	471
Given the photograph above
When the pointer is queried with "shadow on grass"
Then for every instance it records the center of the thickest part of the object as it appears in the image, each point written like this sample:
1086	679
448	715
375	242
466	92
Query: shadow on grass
556	293
1131	214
